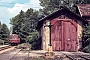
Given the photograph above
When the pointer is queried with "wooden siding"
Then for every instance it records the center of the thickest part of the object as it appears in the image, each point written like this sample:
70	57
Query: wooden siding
64	34
56	34
70	35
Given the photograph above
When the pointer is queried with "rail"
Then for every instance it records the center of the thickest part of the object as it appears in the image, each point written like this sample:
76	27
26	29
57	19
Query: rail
77	56
15	54
68	56
21	49
87	57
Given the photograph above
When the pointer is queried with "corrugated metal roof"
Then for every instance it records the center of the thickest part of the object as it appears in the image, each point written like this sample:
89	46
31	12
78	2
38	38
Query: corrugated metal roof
84	9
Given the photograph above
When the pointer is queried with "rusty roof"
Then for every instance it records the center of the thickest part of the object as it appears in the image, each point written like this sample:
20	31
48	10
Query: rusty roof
84	9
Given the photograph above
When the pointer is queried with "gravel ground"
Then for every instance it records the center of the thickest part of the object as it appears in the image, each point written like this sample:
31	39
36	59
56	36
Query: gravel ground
33	55
23	55
7	55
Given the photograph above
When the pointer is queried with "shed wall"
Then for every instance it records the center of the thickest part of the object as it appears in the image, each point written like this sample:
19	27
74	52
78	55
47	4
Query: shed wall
79	32
46	34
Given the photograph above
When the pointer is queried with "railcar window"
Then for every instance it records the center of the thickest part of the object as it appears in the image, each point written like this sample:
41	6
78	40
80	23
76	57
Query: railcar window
10	37
13	37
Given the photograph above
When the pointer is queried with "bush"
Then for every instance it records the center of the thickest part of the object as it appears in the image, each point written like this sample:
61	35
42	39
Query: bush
36	44
1	42
86	38
86	49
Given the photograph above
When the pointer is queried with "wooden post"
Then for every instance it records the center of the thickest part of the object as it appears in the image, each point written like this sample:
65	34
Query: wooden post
50	44
50	51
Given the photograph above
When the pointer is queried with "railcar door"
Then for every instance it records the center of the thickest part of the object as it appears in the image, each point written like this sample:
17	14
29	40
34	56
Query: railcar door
56	34
64	35
70	36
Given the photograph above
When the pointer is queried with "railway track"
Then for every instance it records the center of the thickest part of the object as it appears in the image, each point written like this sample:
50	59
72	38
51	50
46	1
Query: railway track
76	56
21	52
15	56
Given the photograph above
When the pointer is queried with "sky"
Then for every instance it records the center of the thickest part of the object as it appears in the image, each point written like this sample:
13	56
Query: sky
10	8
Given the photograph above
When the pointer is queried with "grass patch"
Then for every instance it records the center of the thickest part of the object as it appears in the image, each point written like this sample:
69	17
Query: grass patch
40	58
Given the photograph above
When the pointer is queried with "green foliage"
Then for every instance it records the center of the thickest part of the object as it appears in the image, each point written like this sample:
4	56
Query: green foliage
86	49
86	33
24	24
40	59
86	38
35	41
4	32
50	6
1	42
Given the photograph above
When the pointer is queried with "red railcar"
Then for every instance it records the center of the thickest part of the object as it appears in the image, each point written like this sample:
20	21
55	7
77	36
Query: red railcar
14	39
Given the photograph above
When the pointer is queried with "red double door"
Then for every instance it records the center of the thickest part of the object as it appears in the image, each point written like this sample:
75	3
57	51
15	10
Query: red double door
64	35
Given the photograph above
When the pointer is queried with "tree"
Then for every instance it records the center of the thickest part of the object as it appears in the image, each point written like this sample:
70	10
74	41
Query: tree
18	23
0	29
35	41
4	32
50	6
24	23
31	18
0	24
86	38
13	22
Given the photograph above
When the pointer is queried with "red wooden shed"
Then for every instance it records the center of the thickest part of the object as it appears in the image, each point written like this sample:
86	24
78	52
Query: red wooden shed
66	30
